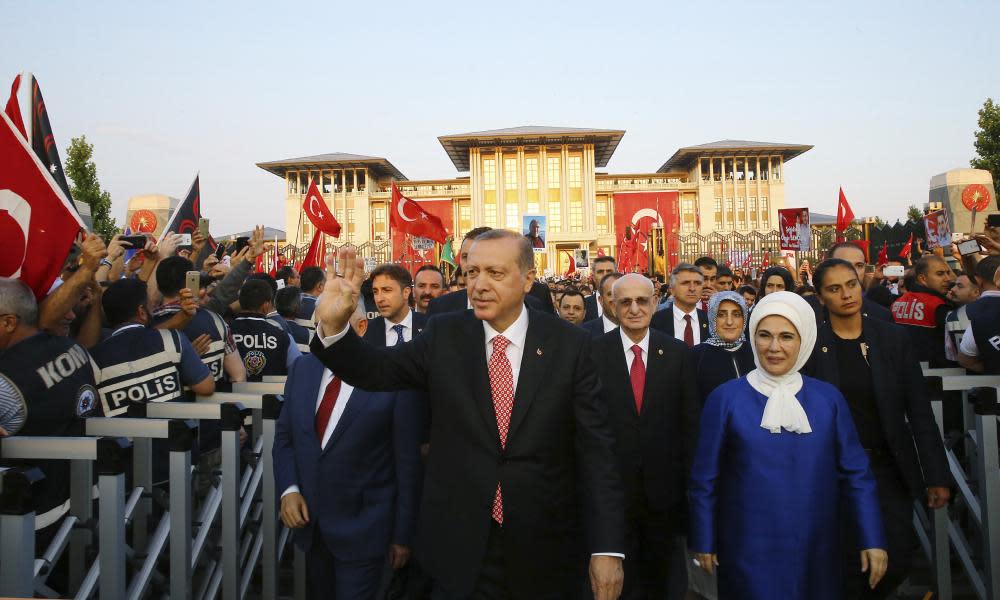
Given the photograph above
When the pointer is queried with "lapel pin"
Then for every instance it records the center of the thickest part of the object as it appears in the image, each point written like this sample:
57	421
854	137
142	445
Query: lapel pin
538	352
660	351
824	348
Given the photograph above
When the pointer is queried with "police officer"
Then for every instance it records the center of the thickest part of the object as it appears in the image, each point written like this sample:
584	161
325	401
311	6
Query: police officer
51	384
266	348
221	357
980	347
286	306
964	292
140	364
922	310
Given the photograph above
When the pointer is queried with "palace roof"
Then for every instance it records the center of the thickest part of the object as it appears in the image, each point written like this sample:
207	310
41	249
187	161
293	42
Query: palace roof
377	164
683	158
605	141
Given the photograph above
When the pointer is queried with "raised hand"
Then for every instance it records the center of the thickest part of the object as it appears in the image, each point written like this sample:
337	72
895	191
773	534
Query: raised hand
342	292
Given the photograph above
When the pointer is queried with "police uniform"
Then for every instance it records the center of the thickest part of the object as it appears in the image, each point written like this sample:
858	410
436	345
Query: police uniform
56	380
955	325
984	317
266	348
139	364
923	312
305	316
204	322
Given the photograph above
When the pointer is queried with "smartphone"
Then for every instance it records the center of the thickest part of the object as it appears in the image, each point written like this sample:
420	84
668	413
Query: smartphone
969	247
993	220
869	268
184	240
193	282
203	227
894	271
240	244
956	237
137	242
220	251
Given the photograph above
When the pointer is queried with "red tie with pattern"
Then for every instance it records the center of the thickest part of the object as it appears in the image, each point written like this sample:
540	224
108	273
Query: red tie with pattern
502	389
688	331
638	376
325	409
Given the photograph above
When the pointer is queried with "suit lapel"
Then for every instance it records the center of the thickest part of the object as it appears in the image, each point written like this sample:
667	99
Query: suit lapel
474	359
656	368
354	406
826	365
619	366
534	358
309	390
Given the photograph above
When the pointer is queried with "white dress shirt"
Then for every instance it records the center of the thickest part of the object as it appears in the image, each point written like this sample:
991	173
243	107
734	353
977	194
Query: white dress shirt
600	307
407	323
609	325
338	410
515	334
680	324
630	356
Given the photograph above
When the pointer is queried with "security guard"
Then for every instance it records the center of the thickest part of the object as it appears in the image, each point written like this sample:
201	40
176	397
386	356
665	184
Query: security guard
923	308
980	347
266	348
48	385
221	357
139	364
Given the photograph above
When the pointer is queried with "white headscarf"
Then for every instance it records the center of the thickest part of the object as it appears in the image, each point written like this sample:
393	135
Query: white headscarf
783	409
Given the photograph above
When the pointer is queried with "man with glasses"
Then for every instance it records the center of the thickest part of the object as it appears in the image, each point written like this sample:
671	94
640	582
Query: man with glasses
653	412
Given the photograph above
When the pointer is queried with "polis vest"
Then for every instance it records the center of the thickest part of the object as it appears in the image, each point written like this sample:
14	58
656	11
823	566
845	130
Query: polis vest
139	365
263	345
985	317
203	322
916	309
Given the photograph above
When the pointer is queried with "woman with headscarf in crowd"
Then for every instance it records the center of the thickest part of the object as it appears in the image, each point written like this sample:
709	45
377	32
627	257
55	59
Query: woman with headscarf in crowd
775	279
777	456
725	354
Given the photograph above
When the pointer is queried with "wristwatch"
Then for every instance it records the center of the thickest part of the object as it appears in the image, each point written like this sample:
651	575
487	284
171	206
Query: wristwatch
106	262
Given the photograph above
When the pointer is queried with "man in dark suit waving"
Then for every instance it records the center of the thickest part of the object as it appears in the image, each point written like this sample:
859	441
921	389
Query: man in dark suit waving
523	463
653	408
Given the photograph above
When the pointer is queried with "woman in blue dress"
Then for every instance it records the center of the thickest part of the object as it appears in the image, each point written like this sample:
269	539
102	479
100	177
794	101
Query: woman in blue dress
777	459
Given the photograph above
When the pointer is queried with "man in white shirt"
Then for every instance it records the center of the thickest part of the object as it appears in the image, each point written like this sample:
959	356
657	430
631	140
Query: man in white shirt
392	288
348	466
608	321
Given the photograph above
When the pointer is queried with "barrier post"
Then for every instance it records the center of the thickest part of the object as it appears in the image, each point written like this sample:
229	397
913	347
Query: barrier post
17	532
988	466
269	516
113	455
231	422
181	440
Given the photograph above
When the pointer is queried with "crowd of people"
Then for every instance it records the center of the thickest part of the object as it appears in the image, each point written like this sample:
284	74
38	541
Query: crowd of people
719	432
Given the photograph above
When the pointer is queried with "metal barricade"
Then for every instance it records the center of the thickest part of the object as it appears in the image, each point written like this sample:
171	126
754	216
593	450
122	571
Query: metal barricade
17	531
111	456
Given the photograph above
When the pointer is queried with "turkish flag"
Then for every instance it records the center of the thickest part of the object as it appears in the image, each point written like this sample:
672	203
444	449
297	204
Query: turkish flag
407	215
37	222
319	213
317	252
572	264
766	261
274	261
13	109
907	248
844	214
883	255
185	218
864	245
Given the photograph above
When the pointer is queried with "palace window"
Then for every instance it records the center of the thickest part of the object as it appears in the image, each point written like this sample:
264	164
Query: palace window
718	213
687	215
326	182
513	216
490	193
307	229
601	215
555	217
378	221
350	225
730	217
510	198
293	183
464	219
741	214
554	200
765	214
531	183
752	211
574	171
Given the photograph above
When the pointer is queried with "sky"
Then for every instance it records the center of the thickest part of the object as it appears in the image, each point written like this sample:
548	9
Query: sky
887	92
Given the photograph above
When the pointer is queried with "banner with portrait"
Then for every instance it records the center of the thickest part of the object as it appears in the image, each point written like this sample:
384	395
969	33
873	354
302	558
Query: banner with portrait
938	229
535	228
796	233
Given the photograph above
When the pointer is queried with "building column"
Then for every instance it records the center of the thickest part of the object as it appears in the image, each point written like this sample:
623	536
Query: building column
589	195
564	187
476	186
522	182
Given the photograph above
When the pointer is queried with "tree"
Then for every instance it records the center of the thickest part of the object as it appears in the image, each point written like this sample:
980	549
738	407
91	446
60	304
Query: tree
914	214
82	172
988	140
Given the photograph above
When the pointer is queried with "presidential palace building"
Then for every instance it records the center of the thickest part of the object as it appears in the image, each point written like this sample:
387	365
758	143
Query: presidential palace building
553	173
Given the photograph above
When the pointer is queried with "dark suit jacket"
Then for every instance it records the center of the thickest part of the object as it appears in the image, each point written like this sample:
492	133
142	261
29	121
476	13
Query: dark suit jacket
663	320
907	420
654	448
558	464
869	308
376	329
361	490
595	327
590	306
538	298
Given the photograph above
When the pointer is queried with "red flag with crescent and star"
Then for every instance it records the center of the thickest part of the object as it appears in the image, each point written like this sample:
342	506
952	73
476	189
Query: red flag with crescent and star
883	255
844	216
907	249
318	212
38	223
408	216
316	256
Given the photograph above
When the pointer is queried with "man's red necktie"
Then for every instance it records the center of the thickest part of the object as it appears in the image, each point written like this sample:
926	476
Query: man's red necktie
638	376
325	409
502	390
688	331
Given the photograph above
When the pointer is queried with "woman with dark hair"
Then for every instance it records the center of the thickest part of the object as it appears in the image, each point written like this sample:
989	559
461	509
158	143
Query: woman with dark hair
725	354
776	279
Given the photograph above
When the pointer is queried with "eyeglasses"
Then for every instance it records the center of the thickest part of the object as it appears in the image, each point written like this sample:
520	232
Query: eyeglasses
641	302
